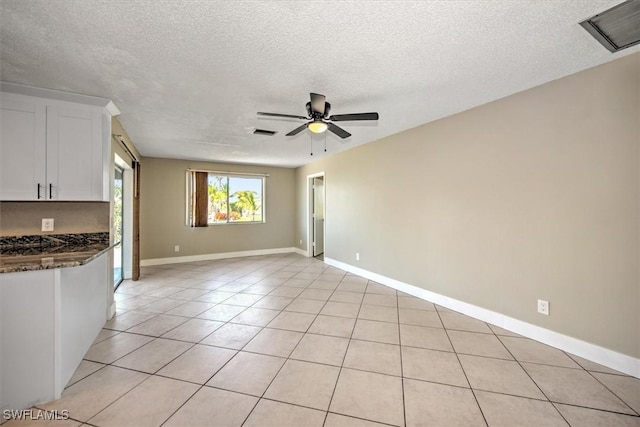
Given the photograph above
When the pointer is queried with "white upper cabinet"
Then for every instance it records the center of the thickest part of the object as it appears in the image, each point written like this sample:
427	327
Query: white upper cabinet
75	153
23	127
52	149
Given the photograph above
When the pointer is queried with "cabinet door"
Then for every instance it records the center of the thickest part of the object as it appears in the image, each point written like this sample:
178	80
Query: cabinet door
75	154
22	149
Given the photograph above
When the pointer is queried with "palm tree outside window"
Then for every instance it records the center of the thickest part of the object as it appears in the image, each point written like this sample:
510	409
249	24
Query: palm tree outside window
230	199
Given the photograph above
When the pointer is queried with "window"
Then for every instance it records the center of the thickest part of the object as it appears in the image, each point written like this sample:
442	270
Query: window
217	198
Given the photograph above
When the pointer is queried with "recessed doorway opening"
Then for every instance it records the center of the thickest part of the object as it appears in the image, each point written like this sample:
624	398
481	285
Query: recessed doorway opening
118	217
316	196
122	220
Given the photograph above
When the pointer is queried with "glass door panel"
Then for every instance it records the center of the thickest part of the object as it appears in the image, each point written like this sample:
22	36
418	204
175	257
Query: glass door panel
117	227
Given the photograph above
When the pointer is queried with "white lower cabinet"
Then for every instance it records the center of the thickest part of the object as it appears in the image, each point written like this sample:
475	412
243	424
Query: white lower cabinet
48	321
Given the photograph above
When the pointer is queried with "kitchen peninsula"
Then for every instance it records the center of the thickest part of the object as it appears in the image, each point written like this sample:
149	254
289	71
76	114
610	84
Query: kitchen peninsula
53	303
56	292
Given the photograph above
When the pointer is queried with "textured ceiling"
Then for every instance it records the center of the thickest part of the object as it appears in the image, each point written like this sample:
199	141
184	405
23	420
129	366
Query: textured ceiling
189	76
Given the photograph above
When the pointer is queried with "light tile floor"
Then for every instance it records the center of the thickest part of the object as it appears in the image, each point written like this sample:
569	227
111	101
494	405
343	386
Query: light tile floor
285	340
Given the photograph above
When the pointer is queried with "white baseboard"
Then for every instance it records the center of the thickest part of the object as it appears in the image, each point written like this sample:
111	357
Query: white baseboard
604	356
112	310
301	252
208	257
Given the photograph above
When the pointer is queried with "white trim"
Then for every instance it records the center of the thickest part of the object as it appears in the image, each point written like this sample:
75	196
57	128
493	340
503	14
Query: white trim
208	257
57	335
238	174
78	98
112	109
604	356
112	310
301	252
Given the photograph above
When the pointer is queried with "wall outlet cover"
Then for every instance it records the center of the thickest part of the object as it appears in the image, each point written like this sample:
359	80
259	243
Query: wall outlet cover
543	307
47	224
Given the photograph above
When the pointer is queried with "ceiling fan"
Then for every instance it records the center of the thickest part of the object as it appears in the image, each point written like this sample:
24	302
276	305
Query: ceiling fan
319	120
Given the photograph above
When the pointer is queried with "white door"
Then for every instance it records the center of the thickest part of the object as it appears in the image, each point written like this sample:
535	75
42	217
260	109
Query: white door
318	216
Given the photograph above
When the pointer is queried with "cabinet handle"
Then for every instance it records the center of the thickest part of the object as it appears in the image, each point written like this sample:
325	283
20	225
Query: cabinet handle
50	191
39	191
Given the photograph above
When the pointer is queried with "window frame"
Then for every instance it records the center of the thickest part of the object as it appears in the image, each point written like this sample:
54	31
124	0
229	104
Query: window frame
191	196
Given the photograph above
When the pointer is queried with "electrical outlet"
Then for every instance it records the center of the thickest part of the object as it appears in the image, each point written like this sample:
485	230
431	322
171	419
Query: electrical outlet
47	224
300	242
357	256
543	307
176	248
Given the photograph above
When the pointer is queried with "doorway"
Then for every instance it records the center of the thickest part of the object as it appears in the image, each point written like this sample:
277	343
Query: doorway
118	225
316	193
123	219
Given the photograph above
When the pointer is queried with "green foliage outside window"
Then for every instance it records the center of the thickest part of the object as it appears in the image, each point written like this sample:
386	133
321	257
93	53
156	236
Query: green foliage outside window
235	199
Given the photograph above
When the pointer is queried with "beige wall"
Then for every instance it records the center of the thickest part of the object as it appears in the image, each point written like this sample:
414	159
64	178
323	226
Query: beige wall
25	218
532	196
162	216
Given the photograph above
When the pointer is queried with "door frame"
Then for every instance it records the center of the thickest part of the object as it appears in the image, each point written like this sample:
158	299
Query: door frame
310	212
118	168
127	215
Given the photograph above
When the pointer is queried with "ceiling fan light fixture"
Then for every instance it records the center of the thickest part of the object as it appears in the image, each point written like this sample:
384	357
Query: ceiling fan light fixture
317	126
319	120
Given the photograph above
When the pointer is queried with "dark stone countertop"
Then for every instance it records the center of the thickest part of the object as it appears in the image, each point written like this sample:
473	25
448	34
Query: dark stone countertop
30	253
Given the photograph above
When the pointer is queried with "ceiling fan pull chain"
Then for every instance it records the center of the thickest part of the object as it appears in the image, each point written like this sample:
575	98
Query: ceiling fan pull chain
311	143
325	142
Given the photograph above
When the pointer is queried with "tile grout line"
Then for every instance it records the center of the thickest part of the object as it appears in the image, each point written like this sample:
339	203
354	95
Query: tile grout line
241	265
204	384
335	387
462	368
222	367
242	348
150	375
154	374
277	373
362	303
636	413
262	396
530	377
404	402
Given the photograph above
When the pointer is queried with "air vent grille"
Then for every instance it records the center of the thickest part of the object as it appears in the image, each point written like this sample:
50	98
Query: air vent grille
264	132
616	28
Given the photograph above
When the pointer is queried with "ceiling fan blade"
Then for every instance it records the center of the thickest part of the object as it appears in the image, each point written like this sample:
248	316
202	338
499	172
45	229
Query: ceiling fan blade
352	117
338	131
297	130
317	103
282	115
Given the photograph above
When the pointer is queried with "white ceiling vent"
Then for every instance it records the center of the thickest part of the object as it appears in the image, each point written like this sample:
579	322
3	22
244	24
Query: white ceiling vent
616	28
